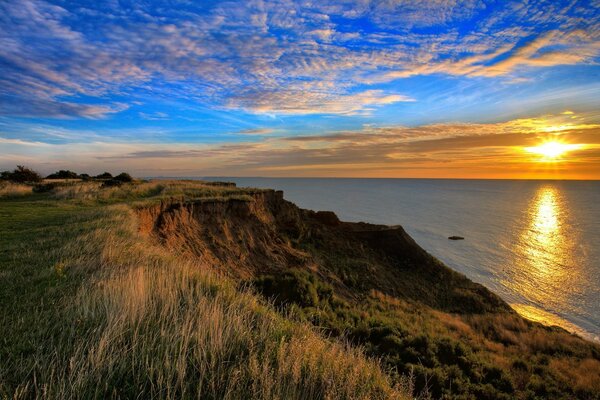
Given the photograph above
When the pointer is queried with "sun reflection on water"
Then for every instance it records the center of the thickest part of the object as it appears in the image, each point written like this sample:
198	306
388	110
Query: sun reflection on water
543	269
544	239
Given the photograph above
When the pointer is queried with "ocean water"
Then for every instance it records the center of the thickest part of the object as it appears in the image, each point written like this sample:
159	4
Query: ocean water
535	243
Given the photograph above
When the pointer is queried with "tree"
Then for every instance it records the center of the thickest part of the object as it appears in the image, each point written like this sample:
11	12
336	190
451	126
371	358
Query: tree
105	175
22	174
124	177
63	174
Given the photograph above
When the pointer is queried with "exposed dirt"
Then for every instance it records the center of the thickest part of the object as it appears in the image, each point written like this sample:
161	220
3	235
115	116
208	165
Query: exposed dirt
267	234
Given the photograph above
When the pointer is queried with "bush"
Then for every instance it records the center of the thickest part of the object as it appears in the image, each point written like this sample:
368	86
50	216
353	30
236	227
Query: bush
105	175
63	174
21	174
123	177
295	286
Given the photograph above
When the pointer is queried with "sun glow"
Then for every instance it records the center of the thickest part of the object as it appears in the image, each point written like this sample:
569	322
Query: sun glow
551	151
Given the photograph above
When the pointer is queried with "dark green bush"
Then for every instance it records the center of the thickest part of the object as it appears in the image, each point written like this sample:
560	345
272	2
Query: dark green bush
123	177
295	286
105	175
63	174
21	174
520	365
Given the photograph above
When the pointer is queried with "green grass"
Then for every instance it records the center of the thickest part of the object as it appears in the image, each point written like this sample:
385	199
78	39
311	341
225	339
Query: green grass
90	309
466	354
34	287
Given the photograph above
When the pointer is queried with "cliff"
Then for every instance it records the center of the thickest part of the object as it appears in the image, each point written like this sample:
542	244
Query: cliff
112	292
264	234
373	286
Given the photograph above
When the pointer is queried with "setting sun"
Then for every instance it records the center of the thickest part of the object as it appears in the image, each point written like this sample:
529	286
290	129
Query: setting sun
553	150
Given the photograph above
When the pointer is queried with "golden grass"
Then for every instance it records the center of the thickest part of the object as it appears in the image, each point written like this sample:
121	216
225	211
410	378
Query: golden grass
146	324
93	190
580	375
9	189
79	190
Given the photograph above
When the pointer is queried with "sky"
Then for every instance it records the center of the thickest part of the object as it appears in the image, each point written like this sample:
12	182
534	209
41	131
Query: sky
362	88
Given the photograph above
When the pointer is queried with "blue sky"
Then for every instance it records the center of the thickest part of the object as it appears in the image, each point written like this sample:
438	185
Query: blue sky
269	87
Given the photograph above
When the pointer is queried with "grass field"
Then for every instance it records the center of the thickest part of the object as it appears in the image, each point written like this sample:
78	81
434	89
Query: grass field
180	289
90	309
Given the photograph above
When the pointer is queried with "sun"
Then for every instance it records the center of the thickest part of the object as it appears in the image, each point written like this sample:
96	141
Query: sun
552	150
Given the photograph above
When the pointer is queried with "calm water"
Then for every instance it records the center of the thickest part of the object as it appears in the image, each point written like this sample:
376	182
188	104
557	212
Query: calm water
535	243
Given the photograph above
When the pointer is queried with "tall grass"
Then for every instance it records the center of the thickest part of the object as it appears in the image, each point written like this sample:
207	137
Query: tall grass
9	189
142	190
145	324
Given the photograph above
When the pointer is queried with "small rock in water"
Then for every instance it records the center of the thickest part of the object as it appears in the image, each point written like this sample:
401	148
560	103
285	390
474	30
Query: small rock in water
456	238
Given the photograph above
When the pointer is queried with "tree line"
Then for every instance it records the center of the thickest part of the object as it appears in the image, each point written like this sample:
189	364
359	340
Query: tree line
23	174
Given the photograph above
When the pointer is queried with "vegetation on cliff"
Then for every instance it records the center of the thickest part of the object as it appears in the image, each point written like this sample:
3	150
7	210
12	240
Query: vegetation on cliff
148	289
373	286
90	309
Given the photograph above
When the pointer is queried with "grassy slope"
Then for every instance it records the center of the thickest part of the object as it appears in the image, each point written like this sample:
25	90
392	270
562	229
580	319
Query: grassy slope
458	340
374	286
90	309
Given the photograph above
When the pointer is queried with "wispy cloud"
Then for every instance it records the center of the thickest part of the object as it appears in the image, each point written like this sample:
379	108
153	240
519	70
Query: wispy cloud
274	56
451	149
301	102
256	131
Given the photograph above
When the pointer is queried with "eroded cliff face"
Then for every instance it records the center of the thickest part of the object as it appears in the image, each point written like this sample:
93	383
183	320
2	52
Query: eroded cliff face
239	236
264	234
372	285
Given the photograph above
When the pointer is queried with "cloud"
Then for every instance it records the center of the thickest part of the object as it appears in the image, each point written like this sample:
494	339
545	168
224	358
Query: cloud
156	116
442	150
298	102
271	56
19	107
256	131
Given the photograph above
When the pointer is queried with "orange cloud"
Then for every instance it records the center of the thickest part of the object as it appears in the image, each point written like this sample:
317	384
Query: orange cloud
494	150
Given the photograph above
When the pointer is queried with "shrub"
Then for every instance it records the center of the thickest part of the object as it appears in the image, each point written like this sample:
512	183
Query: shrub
63	174
105	175
22	174
296	286
123	177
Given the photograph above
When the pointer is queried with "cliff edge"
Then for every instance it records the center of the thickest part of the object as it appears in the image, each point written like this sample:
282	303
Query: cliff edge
265	234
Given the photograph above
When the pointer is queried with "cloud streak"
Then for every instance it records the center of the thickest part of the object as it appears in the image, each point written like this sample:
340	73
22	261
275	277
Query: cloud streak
451	150
273	56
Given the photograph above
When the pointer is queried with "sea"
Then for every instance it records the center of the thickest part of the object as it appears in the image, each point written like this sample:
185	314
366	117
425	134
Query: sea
534	243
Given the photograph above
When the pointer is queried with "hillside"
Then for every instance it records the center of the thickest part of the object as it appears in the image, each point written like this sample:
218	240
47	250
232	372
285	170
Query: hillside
374	286
154	288
90	309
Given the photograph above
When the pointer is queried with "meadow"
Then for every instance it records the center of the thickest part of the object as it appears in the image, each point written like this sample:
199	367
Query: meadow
187	289
92	310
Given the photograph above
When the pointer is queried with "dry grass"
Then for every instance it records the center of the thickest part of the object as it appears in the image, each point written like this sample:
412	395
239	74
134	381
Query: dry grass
9	189
79	190
93	190
148	325
580	375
